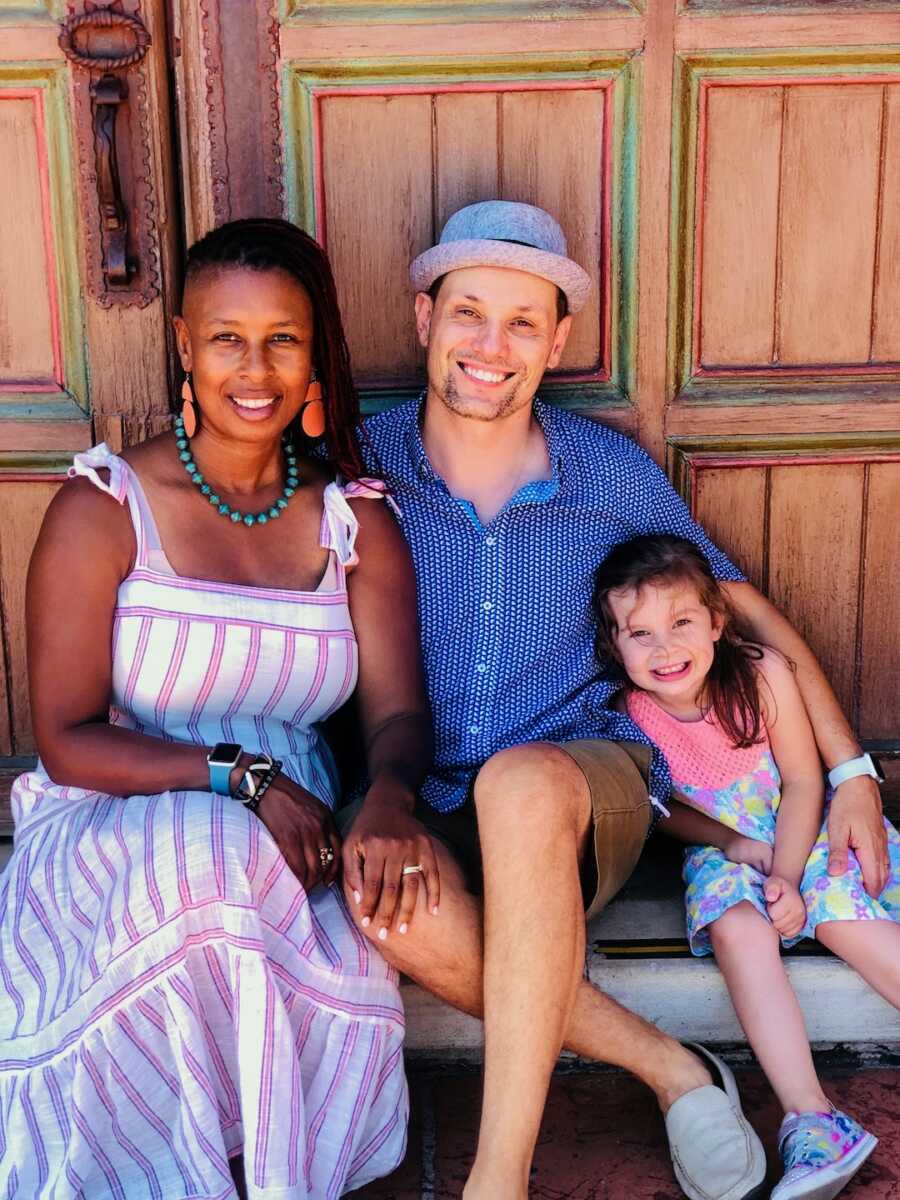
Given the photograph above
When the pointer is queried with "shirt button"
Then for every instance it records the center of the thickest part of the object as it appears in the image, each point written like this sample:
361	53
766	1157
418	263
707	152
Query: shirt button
487	605
481	668
474	729
490	540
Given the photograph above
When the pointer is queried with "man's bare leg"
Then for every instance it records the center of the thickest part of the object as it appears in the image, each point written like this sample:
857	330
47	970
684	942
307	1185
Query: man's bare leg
445	954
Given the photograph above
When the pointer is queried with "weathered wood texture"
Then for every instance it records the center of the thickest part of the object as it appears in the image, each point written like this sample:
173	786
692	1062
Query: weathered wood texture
23	506
800	232
395	166
823	540
27	299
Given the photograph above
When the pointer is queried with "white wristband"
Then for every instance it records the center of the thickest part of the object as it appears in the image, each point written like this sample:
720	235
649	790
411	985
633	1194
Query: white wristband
852	768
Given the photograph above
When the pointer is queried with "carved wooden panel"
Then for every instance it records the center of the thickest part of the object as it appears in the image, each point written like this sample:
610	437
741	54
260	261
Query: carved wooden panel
816	529
797	195
394	162
24	501
409	11
30	344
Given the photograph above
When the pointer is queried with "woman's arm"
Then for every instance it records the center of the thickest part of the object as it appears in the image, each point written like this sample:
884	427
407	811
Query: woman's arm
396	727
855	818
83	552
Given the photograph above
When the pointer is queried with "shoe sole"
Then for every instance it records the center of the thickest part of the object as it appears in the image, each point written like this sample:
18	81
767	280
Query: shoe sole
829	1181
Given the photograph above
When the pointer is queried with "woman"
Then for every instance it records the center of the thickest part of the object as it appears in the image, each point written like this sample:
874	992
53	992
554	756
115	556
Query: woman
180	984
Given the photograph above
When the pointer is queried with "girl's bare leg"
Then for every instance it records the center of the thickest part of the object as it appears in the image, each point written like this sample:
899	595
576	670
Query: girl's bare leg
872	948
746	947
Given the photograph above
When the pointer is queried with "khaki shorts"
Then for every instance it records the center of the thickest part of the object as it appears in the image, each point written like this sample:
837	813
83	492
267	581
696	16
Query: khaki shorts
616	773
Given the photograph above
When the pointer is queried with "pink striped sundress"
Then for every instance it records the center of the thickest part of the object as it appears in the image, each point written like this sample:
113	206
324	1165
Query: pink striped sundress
169	994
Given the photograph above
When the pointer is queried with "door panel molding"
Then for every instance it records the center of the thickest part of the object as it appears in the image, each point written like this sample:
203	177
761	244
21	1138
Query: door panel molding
812	519
63	391
517	86
795	72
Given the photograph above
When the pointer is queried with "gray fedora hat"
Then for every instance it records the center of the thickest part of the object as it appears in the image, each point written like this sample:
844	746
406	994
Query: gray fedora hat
503	233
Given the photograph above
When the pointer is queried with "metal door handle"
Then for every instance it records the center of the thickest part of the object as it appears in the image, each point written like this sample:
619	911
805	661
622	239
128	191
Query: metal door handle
110	31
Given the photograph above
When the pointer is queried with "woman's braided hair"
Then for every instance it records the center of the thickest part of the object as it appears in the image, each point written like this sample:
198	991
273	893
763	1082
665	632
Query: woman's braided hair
270	244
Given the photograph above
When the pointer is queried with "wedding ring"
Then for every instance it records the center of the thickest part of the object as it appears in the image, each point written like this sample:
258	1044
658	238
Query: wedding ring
413	870
326	855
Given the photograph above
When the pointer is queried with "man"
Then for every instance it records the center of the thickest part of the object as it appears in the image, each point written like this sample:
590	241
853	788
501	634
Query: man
508	507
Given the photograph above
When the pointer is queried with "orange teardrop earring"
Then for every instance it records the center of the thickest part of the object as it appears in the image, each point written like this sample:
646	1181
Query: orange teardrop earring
188	408
312	411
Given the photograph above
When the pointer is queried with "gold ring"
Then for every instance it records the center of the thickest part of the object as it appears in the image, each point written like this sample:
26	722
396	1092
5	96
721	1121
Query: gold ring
413	870
326	856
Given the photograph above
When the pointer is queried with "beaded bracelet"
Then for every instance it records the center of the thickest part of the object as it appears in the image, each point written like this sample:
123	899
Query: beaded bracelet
256	781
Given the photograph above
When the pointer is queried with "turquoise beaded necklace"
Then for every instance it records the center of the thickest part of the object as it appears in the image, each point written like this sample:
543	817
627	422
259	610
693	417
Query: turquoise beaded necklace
291	483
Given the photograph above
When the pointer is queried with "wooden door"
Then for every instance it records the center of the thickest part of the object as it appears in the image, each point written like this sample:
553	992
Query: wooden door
728	172
89	230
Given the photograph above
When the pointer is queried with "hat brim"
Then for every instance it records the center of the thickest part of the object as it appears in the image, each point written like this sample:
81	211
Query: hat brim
572	280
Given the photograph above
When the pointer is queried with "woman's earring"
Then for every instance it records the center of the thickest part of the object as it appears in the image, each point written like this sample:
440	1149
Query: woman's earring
312	410
188	407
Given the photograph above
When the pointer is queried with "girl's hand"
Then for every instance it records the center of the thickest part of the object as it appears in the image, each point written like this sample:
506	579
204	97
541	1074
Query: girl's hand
740	849
787	911
302	826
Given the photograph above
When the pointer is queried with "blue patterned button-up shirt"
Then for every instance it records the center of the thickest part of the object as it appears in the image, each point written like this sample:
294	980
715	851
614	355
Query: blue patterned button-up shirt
505	608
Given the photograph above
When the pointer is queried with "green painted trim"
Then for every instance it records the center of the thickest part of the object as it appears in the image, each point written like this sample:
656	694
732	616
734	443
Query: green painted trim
755	392
415	12
53	82
38	13
685	452
690	72
30	461
42	406
299	82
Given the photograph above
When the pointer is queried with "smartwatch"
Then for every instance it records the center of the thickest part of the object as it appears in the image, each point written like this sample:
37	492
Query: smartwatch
222	760
864	765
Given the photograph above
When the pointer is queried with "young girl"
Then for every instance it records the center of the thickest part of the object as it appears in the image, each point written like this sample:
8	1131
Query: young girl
729	717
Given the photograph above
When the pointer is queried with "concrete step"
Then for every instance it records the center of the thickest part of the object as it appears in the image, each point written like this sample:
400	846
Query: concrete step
637	953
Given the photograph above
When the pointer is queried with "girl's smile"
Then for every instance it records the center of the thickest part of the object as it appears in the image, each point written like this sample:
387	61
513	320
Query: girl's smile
666	637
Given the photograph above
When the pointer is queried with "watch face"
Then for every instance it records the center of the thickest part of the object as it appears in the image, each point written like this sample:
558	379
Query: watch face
225	754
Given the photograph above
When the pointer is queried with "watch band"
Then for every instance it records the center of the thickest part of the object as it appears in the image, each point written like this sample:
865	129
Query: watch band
852	768
221	764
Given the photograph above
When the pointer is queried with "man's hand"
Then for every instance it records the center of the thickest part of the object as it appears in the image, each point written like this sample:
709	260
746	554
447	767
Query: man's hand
740	849
855	823
382	841
785	906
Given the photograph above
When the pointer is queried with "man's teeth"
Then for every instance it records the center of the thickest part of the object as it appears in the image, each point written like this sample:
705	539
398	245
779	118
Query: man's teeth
257	402
484	376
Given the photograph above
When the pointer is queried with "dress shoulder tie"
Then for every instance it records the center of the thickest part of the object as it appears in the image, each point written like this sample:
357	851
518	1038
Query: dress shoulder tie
101	458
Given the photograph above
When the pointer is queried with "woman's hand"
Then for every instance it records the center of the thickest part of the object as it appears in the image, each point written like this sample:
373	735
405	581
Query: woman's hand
740	849
785	906
302	827
383	840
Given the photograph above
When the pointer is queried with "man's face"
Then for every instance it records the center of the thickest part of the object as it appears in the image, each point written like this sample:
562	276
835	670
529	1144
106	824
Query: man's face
490	334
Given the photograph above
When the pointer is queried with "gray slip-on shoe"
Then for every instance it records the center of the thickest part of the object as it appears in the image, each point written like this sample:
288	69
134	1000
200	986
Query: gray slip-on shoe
715	1151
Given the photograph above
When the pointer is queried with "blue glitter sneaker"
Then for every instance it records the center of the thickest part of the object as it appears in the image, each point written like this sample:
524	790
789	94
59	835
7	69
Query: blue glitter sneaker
821	1153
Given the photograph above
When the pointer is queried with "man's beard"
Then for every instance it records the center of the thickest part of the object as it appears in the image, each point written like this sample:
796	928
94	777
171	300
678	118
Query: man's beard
456	403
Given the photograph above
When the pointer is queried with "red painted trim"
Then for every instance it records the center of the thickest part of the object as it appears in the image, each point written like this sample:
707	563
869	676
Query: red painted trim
32	477
10	385
790	459
36	95
763	370
604	374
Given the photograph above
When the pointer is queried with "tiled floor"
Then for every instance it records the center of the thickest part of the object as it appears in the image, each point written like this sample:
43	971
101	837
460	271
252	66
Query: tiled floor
602	1137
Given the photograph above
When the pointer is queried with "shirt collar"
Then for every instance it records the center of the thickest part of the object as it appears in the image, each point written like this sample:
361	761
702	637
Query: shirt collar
546	416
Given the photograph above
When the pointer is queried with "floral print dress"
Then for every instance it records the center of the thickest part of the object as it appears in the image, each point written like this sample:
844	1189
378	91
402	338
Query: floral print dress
742	789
